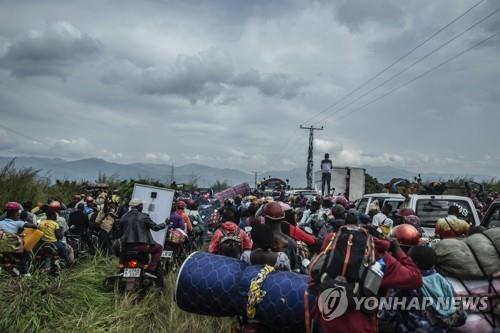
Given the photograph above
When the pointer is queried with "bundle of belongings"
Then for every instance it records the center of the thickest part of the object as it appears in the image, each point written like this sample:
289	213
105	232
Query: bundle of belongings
10	243
472	266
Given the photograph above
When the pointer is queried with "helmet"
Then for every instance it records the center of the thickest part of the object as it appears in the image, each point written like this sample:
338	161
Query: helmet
77	197
406	212
181	204
55	205
192	205
406	234
274	211
341	200
414	220
13	206
89	199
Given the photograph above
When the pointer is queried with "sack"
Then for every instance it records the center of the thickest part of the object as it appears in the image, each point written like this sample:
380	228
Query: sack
457	319
10	243
474	257
230	245
344	263
175	236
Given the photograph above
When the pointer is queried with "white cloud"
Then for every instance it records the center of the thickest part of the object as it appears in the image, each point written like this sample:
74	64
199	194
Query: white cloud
327	146
157	157
237	153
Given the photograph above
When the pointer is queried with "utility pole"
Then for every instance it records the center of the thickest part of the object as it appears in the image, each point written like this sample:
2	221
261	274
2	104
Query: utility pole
255	174
172	174
309	172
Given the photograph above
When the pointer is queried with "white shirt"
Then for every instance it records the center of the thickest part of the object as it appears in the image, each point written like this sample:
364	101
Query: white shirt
326	166
382	219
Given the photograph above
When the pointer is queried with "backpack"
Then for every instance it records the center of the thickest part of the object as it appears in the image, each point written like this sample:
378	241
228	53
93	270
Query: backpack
346	263
230	244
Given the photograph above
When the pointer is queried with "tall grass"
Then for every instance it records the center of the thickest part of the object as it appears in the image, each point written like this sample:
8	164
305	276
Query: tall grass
21	184
77	301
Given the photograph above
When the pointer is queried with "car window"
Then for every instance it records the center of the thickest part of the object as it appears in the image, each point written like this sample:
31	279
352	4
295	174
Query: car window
394	203
362	205
493	221
430	210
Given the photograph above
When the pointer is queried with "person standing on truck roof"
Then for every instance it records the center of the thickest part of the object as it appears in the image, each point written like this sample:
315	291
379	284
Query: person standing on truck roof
326	174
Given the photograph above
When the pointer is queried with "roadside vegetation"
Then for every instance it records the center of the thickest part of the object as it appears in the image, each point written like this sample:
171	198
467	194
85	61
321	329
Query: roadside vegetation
77	301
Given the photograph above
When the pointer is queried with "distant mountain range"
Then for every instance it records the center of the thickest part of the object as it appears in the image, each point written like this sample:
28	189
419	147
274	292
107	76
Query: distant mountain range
90	168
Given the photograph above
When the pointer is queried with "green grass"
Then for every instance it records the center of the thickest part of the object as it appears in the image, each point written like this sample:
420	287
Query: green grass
77	301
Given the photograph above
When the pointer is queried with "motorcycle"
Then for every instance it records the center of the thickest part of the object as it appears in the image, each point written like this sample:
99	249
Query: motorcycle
10	263
79	247
175	252
47	258
132	275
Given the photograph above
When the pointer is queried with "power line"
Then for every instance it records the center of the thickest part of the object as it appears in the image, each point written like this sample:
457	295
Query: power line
419	76
414	63
396	61
23	135
289	141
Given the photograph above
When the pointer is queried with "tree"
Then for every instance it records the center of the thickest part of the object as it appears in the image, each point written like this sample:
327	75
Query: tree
372	185
220	185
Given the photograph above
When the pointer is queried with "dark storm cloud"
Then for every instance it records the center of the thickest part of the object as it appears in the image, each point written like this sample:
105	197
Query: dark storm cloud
354	13
204	77
48	52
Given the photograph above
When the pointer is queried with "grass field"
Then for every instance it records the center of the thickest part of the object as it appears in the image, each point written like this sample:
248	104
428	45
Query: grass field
76	301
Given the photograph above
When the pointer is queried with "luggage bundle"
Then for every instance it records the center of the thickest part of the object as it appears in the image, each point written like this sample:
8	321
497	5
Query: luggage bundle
175	237
10	243
472	266
474	257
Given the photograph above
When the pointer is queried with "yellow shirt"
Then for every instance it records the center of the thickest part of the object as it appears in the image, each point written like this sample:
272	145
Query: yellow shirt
49	227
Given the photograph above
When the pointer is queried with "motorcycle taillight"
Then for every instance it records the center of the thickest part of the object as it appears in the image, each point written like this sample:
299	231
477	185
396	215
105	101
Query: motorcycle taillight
132	263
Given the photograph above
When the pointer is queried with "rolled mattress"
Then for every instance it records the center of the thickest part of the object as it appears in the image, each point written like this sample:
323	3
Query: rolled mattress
214	285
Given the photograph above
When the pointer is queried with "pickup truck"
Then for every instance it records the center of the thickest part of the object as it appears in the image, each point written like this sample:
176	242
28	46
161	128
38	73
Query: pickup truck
428	207
363	204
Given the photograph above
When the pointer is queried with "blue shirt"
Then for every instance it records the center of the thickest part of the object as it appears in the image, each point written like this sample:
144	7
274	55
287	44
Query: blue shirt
11	226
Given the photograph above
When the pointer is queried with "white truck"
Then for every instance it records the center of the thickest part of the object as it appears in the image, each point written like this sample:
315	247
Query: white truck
429	208
348	181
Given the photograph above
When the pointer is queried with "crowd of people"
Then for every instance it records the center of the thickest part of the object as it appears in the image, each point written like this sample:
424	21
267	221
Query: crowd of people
286	233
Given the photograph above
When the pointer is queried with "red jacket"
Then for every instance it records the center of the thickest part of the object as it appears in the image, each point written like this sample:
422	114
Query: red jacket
230	228
400	272
299	234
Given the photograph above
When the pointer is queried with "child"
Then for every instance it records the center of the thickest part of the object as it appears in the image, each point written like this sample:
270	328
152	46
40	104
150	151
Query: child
52	233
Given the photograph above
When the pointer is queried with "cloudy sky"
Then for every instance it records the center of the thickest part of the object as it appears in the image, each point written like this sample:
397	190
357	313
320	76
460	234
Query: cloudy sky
227	83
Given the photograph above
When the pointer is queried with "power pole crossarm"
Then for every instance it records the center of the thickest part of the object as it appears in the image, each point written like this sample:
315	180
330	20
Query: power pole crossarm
310	165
